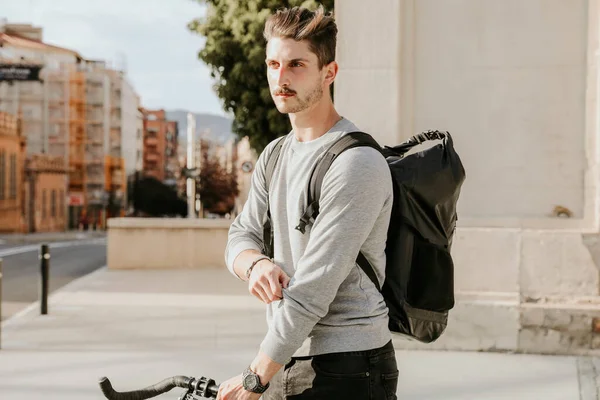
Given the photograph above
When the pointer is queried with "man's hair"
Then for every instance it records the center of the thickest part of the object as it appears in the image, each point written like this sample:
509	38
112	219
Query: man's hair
318	28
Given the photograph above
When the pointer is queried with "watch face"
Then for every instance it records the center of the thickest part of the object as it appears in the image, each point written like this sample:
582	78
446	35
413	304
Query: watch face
250	382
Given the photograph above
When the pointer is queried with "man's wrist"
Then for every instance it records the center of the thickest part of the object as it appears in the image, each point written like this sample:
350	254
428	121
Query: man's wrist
254	263
264	367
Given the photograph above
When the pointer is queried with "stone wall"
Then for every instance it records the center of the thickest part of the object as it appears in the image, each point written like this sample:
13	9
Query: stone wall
166	243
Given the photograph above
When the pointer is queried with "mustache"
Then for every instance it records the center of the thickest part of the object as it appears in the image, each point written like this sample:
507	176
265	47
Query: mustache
283	91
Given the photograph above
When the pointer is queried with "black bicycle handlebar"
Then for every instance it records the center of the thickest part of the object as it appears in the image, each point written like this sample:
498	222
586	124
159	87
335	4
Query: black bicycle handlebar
202	386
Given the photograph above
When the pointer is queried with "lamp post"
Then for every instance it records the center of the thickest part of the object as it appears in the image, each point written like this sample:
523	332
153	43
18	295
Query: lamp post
190	182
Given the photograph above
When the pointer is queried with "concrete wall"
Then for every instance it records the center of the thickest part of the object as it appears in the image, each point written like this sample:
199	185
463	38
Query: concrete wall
524	290
166	243
514	81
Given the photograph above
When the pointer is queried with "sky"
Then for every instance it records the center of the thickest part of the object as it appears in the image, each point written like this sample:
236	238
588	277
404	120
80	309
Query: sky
149	37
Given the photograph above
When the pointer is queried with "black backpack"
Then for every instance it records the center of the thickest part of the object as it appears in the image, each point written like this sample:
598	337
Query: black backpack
419	283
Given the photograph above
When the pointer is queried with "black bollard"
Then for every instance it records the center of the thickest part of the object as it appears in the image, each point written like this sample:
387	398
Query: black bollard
45	276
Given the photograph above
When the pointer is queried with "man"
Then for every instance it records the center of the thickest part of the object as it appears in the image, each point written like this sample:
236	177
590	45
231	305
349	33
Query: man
328	334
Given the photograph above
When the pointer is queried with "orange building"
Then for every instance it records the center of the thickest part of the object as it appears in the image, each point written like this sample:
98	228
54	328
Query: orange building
32	189
12	154
45	208
160	147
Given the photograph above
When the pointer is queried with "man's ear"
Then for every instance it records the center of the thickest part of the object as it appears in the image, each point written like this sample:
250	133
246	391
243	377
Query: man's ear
331	71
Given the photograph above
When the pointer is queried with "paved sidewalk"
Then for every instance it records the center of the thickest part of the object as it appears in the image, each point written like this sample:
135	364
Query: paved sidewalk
138	327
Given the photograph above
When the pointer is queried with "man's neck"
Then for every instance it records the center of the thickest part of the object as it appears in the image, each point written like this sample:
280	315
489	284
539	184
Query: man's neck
312	124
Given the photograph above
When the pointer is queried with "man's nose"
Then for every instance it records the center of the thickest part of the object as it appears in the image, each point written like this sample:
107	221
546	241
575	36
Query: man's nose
283	77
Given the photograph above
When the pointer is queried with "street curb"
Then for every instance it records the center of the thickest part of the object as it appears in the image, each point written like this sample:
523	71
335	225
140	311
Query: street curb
19	240
52	245
24	314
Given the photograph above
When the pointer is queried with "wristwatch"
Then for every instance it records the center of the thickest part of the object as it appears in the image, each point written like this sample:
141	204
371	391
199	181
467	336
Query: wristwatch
256	260
251	382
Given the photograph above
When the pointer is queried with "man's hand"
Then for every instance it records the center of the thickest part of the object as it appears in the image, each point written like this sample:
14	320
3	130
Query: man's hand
233	389
267	281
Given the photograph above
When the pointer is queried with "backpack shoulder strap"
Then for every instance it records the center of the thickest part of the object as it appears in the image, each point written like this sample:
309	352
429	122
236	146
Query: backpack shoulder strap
346	142
272	159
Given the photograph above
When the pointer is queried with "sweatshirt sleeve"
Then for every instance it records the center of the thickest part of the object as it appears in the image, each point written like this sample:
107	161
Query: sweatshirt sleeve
354	192
245	233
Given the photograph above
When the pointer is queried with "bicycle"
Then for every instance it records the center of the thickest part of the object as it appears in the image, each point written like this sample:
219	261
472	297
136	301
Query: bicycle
196	388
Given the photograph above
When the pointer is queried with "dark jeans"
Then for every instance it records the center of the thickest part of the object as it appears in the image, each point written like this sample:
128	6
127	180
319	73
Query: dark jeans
356	375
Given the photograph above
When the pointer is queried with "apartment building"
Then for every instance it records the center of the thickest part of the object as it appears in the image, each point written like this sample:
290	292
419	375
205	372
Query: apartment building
139	140
160	147
83	111
172	167
21	42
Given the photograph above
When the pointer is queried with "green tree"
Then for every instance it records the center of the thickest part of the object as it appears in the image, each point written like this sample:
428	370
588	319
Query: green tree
235	52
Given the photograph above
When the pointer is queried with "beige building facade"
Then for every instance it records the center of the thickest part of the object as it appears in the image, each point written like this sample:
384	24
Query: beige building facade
517	84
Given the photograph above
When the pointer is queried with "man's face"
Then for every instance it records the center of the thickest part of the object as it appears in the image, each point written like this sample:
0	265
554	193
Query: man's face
295	81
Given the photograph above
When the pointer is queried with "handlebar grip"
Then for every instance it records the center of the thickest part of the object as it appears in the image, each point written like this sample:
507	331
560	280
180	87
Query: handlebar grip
146	393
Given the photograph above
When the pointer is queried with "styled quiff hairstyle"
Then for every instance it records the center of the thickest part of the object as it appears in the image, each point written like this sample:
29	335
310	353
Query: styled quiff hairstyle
318	28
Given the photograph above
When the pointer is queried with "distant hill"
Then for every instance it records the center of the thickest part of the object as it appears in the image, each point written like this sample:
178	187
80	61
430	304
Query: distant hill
219	126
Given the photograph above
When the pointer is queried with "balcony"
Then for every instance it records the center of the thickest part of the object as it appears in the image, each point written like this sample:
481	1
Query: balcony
75	183
95	180
94	141
95	100
95	160
151	157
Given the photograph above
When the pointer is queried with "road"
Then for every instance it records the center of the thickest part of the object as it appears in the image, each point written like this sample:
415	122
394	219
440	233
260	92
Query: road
21	266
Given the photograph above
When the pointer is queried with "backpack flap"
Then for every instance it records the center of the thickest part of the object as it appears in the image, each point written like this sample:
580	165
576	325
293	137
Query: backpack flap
429	185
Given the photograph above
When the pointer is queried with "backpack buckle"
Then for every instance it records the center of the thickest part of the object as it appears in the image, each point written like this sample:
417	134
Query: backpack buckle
302	225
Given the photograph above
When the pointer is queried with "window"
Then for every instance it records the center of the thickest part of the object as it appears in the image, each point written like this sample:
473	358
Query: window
26	88
44	204
53	203
28	112
2	173
61	203
13	177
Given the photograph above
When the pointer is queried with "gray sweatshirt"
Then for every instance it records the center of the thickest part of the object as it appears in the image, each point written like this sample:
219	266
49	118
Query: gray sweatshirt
330	305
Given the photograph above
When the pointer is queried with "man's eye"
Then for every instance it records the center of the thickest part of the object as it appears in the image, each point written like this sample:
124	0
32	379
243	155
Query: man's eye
296	64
